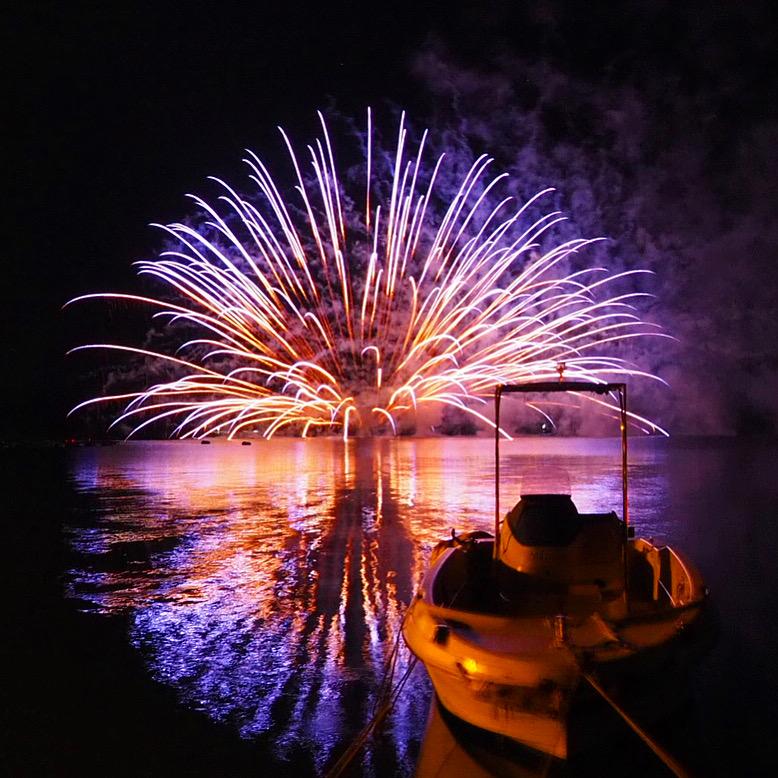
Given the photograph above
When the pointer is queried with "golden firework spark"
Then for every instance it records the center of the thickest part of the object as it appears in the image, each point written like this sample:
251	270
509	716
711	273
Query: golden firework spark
304	323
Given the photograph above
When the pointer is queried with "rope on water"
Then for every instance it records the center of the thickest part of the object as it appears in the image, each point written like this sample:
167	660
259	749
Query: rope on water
386	681
385	700
672	764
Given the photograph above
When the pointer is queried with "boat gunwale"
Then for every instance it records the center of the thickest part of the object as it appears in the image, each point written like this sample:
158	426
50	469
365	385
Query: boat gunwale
497	621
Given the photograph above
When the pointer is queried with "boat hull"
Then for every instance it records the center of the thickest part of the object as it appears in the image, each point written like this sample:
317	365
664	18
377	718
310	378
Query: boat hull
521	676
502	708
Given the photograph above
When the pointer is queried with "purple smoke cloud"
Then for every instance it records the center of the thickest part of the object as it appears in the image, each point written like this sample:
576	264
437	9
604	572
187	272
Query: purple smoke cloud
655	175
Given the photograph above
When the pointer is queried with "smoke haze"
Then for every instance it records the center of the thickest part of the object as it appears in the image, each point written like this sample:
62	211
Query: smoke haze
680	186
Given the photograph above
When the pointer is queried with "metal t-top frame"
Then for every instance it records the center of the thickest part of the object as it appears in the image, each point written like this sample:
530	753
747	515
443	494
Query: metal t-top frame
559	386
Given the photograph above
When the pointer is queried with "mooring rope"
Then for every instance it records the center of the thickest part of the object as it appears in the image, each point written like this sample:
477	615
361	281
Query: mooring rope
385	699
672	764
380	714
386	680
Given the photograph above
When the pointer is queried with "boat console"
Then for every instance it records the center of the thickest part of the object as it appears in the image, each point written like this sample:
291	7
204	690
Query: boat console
545	536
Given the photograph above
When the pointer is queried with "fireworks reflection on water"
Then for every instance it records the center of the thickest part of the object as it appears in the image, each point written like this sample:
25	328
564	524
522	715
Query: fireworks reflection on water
266	585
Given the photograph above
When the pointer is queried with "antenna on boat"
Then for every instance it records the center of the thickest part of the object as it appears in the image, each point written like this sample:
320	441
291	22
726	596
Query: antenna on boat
497	397
623	422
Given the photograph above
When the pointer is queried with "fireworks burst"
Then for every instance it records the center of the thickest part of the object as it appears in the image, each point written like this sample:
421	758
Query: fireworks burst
309	317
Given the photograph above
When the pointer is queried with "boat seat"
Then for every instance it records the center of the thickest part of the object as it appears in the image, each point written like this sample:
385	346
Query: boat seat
545	537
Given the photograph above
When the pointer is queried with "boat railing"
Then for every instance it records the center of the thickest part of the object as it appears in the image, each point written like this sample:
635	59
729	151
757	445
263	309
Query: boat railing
675	578
667	592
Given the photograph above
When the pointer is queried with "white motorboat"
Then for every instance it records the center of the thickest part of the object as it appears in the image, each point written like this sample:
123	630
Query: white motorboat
563	608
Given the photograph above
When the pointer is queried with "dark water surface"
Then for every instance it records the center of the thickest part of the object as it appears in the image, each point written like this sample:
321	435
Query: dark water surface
230	610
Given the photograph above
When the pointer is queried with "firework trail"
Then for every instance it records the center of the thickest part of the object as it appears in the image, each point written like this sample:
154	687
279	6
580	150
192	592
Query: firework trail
309	317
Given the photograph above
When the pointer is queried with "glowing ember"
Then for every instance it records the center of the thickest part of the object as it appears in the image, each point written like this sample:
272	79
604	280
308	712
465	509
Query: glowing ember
310	316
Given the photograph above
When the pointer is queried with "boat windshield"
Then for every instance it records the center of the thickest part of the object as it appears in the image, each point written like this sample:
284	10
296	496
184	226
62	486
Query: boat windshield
544	480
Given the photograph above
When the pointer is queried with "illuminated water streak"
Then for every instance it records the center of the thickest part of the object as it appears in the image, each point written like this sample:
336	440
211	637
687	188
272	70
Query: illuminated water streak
313	318
266	585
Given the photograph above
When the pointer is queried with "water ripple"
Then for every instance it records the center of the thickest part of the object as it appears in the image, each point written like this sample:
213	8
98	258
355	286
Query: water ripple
266	584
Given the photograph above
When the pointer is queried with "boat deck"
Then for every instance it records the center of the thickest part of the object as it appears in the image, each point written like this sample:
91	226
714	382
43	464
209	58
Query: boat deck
468	581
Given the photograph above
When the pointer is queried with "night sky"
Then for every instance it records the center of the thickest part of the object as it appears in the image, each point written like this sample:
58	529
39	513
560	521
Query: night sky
655	120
